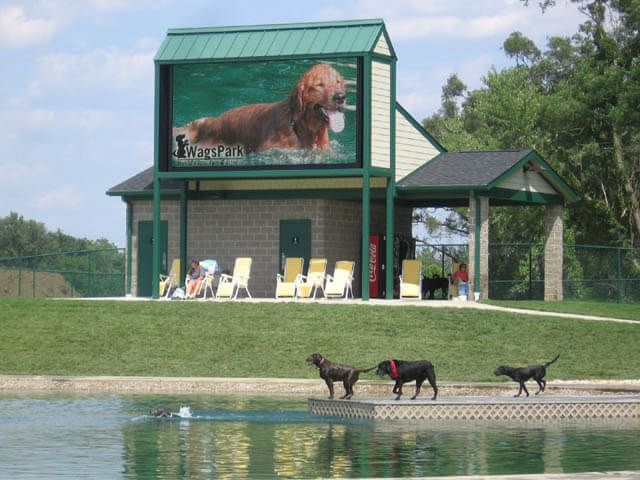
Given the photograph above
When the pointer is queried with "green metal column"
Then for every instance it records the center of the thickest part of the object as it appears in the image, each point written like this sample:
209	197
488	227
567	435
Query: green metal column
129	244
366	175
183	229
391	189
390	233
155	269
366	217
476	253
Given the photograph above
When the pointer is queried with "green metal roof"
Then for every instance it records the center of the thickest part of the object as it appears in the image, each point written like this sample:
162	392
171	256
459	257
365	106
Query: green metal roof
355	37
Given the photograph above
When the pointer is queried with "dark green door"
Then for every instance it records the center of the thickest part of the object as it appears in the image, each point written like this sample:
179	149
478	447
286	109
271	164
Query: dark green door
145	255
295	241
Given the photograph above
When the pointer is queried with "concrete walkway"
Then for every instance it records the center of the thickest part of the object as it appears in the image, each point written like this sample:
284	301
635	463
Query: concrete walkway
288	386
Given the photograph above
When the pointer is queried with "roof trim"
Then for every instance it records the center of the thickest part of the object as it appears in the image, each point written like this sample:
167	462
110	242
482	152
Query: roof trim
492	187
294	40
276	26
548	173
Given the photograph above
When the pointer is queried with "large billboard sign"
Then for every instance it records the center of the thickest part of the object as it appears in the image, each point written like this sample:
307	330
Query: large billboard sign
270	114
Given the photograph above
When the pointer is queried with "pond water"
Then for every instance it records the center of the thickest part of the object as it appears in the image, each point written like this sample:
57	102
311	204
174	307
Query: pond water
114	436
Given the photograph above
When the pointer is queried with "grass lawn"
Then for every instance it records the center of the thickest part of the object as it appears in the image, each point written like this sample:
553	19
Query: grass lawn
227	339
627	311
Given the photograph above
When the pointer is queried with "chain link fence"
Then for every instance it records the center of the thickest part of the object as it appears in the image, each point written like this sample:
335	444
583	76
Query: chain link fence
83	273
590	272
516	270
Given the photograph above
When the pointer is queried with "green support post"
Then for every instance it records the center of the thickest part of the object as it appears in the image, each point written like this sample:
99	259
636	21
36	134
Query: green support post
155	263
183	229
389	244
476	270
366	217
156	239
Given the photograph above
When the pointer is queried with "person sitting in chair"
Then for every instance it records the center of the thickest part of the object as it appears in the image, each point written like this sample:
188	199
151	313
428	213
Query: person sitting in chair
195	276
461	279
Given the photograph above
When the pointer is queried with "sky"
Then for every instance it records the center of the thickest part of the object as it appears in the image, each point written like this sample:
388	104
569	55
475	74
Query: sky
77	82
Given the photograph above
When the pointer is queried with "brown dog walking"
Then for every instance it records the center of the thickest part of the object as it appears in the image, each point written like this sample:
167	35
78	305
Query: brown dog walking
334	372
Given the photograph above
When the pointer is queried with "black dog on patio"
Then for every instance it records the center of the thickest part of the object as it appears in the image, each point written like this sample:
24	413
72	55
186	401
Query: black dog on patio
522	374
403	372
434	283
331	372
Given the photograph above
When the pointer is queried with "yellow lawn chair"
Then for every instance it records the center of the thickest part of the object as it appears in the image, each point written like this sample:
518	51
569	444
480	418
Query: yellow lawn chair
171	280
229	285
286	284
339	284
411	279
308	285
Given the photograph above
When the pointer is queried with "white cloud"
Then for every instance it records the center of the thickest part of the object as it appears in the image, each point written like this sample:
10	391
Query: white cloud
27	122
17	30
98	70
65	197
415	20
17	173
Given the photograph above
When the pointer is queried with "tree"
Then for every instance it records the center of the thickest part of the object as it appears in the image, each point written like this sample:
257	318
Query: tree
522	49
594	118
77	256
578	105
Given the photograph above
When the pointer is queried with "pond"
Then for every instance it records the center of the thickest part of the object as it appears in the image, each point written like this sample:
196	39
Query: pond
114	436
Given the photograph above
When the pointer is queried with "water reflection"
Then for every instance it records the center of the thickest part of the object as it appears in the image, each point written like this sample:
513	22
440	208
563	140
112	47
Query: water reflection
258	437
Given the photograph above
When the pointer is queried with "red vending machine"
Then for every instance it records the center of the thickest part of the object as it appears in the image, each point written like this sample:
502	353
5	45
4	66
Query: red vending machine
377	265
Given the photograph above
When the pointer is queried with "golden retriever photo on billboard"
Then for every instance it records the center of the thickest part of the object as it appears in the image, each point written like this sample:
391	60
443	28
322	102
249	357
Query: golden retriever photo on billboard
281	113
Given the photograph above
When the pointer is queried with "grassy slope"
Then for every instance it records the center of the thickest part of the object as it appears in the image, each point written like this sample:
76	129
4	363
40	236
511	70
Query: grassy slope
602	309
63	337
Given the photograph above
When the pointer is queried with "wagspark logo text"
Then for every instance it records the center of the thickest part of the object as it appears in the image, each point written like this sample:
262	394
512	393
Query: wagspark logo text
192	152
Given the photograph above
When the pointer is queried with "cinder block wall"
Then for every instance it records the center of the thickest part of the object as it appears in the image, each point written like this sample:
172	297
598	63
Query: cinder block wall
226	229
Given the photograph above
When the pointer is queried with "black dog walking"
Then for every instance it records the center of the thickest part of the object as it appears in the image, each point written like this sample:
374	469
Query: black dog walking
402	372
522	374
331	372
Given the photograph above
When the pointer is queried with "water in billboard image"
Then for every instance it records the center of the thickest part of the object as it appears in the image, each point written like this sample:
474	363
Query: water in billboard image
262	114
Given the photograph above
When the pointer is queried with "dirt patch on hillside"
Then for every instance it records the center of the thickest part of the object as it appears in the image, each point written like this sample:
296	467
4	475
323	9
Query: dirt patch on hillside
14	283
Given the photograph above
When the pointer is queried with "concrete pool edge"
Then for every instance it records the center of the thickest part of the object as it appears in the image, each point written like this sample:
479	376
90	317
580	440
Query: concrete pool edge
289	386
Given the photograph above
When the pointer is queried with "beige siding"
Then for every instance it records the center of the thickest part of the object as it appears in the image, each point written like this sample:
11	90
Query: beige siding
381	115
412	148
382	47
528	182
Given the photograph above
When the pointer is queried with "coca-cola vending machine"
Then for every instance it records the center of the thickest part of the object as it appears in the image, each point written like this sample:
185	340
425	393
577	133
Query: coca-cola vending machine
377	265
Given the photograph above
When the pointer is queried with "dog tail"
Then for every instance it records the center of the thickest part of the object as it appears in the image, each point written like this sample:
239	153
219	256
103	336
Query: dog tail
364	370
549	363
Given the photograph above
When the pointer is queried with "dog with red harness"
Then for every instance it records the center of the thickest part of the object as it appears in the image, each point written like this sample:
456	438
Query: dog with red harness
403	372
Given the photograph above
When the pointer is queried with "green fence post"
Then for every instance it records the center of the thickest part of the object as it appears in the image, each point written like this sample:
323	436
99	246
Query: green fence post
89	276
530	275
619	277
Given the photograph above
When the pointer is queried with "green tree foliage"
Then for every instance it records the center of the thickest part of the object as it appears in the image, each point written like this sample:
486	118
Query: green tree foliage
577	104
91	266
